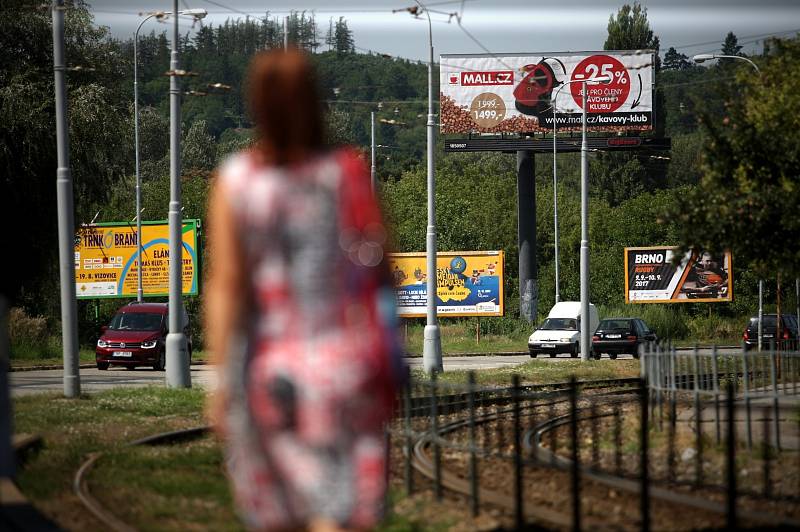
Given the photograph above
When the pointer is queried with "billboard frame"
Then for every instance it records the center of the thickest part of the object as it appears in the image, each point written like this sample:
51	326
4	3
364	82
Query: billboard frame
501	282
551	54
196	224
685	273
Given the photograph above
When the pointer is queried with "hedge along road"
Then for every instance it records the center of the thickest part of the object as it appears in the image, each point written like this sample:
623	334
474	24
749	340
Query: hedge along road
93	380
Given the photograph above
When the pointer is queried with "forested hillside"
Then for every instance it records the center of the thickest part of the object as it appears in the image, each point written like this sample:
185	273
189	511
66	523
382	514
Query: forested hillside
635	199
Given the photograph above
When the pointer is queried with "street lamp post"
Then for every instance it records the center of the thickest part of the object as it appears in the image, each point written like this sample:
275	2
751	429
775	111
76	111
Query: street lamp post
66	216
198	14
177	358
432	346
702	58
555	172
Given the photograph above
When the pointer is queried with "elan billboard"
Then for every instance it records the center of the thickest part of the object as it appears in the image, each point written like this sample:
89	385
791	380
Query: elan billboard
107	260
521	93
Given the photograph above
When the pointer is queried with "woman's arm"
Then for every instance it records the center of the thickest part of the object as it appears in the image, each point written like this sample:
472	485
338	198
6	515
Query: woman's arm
225	291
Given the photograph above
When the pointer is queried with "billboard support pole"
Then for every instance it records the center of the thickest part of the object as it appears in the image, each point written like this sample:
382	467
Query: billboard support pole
177	355
66	216
526	233
585	332
372	171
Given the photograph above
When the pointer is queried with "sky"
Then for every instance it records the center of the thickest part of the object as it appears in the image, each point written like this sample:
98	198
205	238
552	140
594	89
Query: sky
497	26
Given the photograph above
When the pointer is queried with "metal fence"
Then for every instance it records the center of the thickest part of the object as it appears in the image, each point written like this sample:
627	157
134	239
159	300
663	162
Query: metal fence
760	380
497	445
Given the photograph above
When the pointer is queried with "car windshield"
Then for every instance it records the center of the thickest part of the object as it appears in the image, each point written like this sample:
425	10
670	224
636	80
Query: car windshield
615	324
136	321
559	324
767	321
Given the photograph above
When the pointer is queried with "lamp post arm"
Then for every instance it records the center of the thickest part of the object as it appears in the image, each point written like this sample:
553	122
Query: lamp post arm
739	57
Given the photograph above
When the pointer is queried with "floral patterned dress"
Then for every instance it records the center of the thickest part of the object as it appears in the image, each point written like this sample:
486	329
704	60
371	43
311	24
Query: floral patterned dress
314	376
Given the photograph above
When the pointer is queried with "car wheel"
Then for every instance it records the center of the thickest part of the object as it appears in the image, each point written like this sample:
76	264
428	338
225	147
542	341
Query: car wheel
130	368
102	366
161	363
552	355
574	351
597	355
533	355
612	356
636	355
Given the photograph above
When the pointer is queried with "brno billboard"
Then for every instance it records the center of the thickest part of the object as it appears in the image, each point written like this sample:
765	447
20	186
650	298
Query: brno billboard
514	93
652	277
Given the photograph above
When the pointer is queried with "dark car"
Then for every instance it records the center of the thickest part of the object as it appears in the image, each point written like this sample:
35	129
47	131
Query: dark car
786	338
621	335
137	336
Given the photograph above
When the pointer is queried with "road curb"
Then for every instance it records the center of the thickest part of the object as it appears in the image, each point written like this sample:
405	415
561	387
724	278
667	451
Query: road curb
81	366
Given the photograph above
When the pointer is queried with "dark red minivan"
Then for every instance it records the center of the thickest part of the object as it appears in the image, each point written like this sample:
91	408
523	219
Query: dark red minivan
136	336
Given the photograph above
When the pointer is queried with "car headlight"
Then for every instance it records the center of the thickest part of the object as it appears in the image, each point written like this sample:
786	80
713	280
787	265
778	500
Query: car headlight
102	343
566	340
149	344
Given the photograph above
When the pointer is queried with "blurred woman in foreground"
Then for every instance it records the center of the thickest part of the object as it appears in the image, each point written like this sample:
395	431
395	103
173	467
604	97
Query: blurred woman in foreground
300	316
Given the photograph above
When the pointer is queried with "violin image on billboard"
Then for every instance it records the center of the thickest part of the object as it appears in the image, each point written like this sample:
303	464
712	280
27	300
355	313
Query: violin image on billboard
532	95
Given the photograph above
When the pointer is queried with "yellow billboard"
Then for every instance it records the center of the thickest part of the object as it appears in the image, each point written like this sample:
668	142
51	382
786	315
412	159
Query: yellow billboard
468	283
107	260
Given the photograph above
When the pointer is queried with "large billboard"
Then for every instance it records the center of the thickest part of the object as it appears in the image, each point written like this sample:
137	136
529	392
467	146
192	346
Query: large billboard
511	93
468	283
651	276
107	260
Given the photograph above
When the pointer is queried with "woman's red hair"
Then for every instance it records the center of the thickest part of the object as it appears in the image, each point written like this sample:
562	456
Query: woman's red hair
285	105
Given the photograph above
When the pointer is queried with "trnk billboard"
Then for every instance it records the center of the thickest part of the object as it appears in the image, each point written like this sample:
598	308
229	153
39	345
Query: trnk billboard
107	260
651	276
468	283
512	93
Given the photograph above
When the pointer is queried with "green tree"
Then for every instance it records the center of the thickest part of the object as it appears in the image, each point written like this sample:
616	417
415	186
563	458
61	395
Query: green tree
747	198
343	37
731	45
198	148
674	60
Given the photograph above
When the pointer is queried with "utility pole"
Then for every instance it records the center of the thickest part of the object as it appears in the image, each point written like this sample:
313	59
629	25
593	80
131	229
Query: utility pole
286	32
177	355
66	217
372	152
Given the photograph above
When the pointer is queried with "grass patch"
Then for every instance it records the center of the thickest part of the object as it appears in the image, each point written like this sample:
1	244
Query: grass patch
461	337
542	372
85	356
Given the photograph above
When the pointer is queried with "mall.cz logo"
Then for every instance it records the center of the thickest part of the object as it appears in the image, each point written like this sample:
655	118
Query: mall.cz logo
499	77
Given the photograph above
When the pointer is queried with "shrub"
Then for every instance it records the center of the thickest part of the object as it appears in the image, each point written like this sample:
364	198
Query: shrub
30	336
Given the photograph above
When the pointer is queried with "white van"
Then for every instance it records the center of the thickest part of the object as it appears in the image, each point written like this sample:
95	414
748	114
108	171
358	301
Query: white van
560	332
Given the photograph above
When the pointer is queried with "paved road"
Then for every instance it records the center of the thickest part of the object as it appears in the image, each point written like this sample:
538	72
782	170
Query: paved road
93	380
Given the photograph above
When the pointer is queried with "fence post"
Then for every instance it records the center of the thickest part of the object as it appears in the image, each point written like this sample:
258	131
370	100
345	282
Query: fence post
409	441
473	462
730	515
575	470
644	438
617	441
746	386
777	420
715	369
518	513
437	453
698	427
765	453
